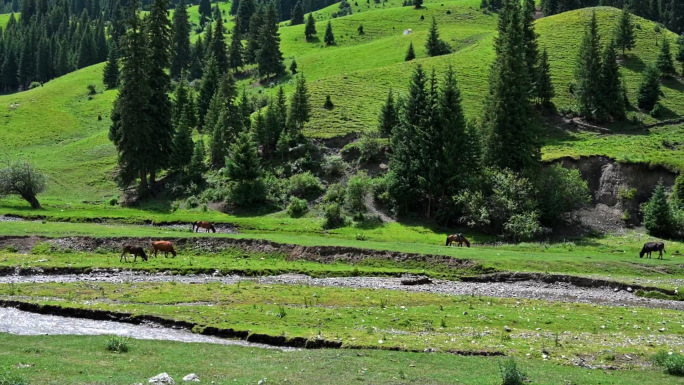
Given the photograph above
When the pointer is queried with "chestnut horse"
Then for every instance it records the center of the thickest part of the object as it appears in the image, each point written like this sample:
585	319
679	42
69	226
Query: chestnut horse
135	251
205	225
457	238
165	246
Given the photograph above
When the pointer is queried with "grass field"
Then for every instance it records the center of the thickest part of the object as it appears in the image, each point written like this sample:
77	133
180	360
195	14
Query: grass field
84	360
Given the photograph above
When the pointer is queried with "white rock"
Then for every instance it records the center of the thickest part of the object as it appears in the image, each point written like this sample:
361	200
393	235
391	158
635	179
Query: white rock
191	377
162	378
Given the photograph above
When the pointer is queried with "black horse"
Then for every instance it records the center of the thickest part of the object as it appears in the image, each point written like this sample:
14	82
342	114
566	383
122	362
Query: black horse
651	247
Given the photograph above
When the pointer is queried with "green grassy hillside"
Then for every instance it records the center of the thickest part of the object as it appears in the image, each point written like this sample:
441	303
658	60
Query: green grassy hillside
57	125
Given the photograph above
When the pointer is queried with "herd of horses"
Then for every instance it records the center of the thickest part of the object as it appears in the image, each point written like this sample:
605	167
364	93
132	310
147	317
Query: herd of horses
167	247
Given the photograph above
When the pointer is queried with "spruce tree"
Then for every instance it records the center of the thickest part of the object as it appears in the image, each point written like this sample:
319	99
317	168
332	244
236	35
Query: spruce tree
274	121
245	109
181	55
611	86
235	58
205	9
680	51
256	22
676	20
243	167
587	72
197	63
110	75
300	108
159	27
410	54
389	116
293	67
297	14
624	32
218	48
649	89
511	138
234	7
197	166
86	49
245	10
180	102
531	45
208	88
657	213
102	49
310	28
329	37
544	85
269	57
130	130
434	46
664	63
183	148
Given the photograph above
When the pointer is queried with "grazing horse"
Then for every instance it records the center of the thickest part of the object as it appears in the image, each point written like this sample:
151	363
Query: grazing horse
651	247
205	225
457	238
165	246
136	251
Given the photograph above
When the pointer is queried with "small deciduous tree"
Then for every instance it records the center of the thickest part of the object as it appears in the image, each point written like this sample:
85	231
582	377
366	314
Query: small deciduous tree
21	178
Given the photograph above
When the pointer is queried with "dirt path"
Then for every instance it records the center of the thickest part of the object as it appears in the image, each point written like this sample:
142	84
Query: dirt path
558	291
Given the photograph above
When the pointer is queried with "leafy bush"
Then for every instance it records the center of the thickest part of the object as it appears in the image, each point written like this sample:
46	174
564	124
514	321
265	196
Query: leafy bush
297	207
657	111
511	374
304	185
247	192
672	363
21	178
113	201
560	190
678	191
91	89
358	188
334	165
117	344
192	202
335	193
35	85
370	146
379	187
626	194
523	227
333	216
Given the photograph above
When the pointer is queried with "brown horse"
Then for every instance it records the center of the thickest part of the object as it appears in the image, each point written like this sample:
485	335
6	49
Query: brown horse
457	238
205	225
135	251
165	246
651	247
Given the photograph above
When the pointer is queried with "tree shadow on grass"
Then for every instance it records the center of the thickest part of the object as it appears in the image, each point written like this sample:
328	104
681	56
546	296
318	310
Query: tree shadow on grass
634	63
674	84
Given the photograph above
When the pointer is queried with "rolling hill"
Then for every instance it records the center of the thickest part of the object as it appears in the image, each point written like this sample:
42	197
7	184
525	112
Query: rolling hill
58	125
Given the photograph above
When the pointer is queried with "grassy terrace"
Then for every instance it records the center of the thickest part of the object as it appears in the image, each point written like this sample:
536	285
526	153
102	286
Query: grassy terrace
387	319
84	360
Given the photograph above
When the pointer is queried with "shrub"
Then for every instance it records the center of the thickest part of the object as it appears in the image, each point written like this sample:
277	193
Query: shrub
247	192
511	374
361	237
672	363
91	89
334	165
192	202
333	216
297	207
304	185
11	249
370	146
335	193
358	188
560	190
626	194
657	111
34	85
113	201
117	344
523	227
21	178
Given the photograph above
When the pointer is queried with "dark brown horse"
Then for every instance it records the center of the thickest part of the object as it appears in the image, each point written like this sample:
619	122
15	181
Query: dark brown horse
135	251
651	247
459	238
205	225
164	246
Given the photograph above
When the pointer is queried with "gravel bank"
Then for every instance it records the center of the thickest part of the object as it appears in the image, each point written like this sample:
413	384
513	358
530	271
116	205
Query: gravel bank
559	291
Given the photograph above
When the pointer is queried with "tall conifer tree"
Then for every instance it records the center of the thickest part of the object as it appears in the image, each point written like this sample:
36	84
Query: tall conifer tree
588	72
181	55
297	14
300	108
207	89
111	71
310	29
664	63
244	12
624	32
218	47
269	57
235	58
544	85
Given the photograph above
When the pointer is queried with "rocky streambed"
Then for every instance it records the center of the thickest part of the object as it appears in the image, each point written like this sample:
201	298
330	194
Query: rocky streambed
529	289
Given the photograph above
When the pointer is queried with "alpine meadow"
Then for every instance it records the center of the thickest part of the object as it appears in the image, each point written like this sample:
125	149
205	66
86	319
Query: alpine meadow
322	192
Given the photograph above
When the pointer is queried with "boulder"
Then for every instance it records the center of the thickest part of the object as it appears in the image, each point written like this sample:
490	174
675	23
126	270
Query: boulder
162	378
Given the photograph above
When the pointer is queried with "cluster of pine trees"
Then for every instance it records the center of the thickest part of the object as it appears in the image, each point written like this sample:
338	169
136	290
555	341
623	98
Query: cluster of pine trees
285	9
670	13
436	154
49	40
